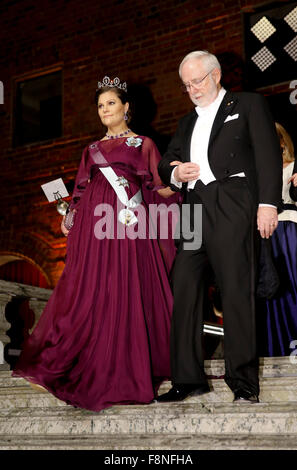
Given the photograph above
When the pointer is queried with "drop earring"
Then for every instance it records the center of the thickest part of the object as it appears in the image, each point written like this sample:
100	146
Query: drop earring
126	116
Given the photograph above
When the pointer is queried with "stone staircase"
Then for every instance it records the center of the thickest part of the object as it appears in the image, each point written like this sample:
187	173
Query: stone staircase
31	419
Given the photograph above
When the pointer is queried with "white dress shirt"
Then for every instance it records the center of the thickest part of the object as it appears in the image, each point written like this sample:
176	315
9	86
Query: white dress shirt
200	143
200	139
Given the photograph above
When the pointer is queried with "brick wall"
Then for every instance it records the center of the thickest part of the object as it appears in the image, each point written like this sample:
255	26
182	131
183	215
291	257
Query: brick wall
141	41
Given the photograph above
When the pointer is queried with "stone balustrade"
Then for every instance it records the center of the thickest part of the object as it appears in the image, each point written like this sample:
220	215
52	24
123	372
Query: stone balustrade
38	297
9	291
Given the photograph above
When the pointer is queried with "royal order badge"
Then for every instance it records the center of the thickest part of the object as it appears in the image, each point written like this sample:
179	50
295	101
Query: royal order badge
134	141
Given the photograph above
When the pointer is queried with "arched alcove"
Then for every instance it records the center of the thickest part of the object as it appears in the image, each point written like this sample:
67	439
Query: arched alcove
18	268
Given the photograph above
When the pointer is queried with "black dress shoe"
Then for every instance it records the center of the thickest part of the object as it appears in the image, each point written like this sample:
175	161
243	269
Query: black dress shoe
181	391
245	396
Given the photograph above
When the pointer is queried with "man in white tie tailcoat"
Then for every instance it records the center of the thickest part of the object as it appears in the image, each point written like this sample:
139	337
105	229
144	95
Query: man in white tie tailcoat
225	155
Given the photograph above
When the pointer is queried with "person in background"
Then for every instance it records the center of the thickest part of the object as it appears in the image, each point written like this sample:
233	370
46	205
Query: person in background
277	316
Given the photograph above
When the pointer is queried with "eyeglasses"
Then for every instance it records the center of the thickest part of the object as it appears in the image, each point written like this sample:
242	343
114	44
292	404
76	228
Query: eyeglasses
194	83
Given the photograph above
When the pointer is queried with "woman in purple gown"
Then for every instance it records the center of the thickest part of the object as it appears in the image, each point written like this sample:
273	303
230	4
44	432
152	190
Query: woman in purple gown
103	338
278	316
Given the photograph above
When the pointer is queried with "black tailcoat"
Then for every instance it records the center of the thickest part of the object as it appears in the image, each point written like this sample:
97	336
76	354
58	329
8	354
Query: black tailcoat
245	142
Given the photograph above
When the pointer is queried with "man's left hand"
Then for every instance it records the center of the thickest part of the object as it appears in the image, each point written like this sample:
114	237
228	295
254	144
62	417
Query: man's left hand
267	221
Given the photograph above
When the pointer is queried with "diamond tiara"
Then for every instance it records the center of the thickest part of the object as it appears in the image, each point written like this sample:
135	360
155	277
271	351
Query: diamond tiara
116	82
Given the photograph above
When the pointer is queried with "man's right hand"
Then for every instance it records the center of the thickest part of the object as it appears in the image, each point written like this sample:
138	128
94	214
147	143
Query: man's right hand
185	172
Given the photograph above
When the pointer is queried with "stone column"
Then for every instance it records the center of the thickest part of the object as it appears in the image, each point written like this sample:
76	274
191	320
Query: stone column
37	306
4	327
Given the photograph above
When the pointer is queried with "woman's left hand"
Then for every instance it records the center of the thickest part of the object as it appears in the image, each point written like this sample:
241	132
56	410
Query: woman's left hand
293	179
165	192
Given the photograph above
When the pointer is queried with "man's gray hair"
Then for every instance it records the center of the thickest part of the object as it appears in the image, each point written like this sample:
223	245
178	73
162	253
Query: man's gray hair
208	59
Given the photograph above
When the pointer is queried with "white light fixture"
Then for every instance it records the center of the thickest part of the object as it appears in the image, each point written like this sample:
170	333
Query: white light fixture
291	48
263	58
291	19
263	29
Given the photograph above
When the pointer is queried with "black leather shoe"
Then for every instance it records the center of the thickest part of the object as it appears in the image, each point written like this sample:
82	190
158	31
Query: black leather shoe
244	396
181	391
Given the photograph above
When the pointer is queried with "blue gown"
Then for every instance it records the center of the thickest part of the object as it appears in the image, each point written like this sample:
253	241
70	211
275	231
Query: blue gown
277	317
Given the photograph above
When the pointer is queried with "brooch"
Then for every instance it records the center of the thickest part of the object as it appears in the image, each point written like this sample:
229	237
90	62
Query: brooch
134	141
122	181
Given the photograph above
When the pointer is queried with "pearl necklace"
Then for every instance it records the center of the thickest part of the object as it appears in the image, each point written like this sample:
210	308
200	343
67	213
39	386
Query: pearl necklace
118	135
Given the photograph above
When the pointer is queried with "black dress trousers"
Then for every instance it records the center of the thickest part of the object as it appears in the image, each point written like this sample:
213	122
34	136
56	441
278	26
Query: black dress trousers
228	248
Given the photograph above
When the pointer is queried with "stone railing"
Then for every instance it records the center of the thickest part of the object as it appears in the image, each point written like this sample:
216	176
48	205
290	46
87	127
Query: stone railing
10	291
37	298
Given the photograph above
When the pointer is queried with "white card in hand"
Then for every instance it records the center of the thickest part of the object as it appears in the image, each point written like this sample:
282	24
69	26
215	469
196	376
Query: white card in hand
55	190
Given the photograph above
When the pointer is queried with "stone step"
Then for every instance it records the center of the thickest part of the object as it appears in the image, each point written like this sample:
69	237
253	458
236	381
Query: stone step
279	389
149	442
272	389
183	418
284	366
25	397
31	419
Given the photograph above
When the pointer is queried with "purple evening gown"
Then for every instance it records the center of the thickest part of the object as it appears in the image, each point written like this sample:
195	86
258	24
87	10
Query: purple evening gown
277	318
103	338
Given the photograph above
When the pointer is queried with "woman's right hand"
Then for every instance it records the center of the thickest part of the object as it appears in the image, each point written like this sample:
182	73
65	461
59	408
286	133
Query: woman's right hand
63	228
